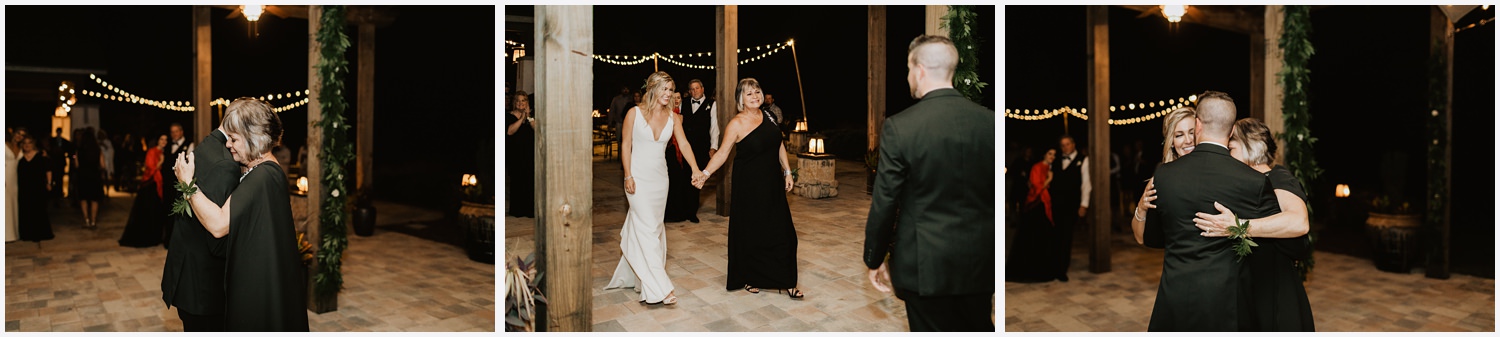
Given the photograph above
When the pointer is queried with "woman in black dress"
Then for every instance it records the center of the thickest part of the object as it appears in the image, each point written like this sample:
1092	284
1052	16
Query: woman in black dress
1277	295
1026	261
143	229
762	240
265	283
520	143
87	163
34	176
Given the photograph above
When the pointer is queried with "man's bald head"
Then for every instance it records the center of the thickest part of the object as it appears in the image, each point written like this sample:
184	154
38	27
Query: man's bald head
934	53
1216	112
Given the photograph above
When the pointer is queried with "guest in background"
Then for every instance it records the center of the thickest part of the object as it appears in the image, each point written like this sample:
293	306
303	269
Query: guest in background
520	140
58	150
107	148
617	108
144	227
125	173
176	145
87	166
1070	200
1037	230
12	185
700	124
774	110
34	173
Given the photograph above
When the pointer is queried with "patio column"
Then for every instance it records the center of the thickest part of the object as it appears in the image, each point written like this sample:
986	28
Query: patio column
726	68
314	168
1098	215
875	75
202	71
564	223
365	135
1438	257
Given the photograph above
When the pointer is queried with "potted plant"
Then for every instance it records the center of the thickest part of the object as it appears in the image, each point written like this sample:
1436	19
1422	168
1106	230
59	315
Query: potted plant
1393	227
522	293
872	159
364	213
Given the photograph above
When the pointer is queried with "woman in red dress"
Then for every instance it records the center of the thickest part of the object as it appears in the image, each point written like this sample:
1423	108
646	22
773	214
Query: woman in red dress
1036	228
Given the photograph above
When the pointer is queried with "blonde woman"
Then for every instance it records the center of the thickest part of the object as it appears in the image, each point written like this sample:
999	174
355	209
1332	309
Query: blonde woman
1180	131
643	239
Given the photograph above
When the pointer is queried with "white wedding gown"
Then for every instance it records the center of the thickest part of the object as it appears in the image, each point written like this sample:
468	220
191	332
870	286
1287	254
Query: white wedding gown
12	190
643	240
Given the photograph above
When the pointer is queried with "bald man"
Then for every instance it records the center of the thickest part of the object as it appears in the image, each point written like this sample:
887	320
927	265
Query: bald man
936	178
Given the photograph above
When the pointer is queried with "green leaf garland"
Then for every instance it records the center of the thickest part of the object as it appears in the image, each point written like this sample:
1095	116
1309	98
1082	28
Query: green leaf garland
1295	78
336	151
960	24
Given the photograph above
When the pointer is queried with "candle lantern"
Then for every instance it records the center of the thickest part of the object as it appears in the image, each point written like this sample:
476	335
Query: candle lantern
815	145
1341	191
302	185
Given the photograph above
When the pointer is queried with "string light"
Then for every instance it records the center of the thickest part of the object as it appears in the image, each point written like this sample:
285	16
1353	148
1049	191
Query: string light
1166	107
630	60
124	96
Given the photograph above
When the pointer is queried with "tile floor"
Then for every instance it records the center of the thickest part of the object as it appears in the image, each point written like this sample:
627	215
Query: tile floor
84	281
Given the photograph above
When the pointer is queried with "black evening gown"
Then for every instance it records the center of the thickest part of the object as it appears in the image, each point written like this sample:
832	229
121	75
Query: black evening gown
682	197
265	281
1279	298
520	166
86	177
31	184
144	227
762	241
1027	261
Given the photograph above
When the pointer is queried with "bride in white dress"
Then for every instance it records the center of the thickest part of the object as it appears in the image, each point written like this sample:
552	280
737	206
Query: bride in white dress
12	190
643	240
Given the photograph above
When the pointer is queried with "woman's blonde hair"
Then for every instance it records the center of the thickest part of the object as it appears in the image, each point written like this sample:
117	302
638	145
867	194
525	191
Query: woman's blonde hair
1167	127
651	95
252	119
739	90
1256	137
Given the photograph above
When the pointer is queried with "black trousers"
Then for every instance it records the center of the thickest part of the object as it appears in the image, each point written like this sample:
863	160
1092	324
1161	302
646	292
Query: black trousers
948	313
201	323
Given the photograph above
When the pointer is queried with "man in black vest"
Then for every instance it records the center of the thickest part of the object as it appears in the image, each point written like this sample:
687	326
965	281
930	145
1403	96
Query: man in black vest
176	144
701	126
1070	200
193	278
1203	286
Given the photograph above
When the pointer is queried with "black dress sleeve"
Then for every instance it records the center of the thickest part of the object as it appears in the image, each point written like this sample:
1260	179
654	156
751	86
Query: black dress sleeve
266	281
1282	179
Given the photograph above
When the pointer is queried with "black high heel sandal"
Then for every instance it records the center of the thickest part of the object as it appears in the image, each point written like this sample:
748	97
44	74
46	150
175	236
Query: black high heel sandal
793	293
752	290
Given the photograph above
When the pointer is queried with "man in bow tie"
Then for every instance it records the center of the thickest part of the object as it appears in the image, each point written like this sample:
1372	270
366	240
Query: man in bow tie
700	124
1070	199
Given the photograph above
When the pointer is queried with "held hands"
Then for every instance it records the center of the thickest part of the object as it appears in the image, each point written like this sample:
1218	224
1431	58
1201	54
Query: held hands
699	178
184	167
1215	226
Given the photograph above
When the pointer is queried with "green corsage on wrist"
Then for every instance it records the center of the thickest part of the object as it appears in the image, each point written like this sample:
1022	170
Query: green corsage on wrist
1241	232
181	206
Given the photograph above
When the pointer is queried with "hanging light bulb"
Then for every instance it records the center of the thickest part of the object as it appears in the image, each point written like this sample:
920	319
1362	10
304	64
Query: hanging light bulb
252	12
1174	13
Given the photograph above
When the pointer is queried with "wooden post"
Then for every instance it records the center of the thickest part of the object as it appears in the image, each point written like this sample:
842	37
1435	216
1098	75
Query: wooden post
1438	256
934	24
1258	72
365	135
202	71
726	68
875	74
1272	92
314	168
1099	213
564	226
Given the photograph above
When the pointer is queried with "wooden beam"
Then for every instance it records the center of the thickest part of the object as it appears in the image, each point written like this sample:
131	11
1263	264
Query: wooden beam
1098	215
875	74
379	15
1258	73
202	71
1272	88
934	24
313	169
365	135
1438	258
564	226
726	68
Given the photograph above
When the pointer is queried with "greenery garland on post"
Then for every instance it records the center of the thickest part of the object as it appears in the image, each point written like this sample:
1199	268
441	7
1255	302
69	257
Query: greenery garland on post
335	153
1295	77
960	24
1437	98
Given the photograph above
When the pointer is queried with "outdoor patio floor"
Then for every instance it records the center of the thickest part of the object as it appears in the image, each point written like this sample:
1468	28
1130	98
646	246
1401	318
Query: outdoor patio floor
83	280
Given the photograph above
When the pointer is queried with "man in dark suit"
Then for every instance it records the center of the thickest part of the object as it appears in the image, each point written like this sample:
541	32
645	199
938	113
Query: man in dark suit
1203	286
176	144
1070	190
933	206
701	127
193	278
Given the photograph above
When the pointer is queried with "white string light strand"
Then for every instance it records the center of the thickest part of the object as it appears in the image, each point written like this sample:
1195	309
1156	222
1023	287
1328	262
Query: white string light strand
630	60
124	96
1167	106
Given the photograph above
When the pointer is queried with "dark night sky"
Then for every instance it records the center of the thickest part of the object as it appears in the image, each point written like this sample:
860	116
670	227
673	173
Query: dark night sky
831	49
434	76
1368	94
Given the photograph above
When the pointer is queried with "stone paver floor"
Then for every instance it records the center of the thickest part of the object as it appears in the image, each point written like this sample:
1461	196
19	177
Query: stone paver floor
1346	293
84	281
830	267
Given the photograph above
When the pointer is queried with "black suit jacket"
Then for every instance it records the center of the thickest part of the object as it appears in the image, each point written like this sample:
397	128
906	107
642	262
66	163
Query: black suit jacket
1203	287
933	206
193	278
